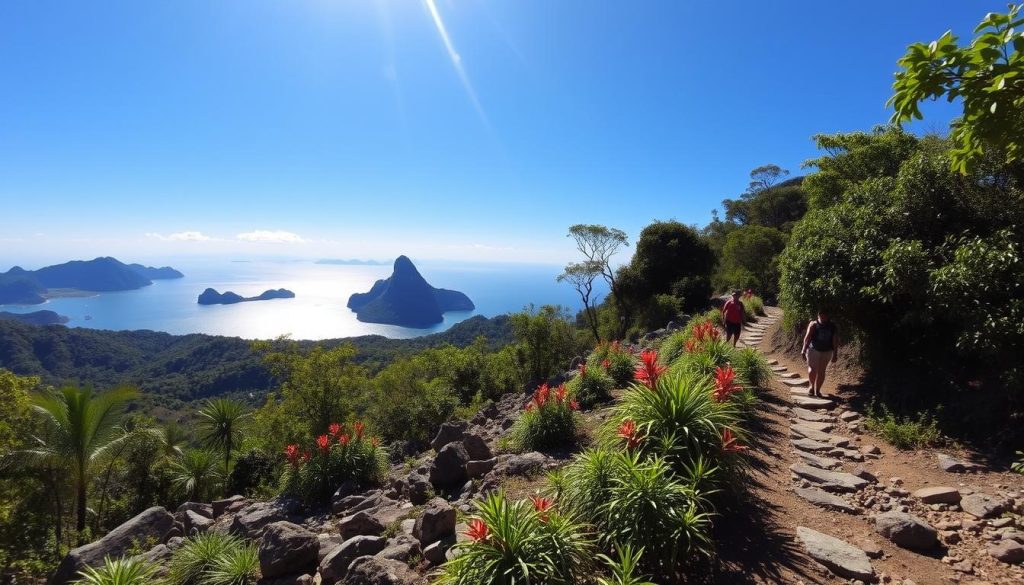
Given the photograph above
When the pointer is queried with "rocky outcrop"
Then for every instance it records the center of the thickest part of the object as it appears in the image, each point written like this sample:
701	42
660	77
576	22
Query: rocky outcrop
380	571
449	467
906	531
406	299
287	549
335	565
436	522
210	296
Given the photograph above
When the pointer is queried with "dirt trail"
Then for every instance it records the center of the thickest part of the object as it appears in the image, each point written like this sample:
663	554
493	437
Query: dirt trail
758	540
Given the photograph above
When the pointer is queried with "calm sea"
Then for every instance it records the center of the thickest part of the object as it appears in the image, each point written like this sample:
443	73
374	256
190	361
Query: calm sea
317	312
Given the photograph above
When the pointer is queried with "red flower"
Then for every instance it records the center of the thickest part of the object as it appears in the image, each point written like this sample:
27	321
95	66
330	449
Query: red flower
574	405
731	444
606	363
477	530
540	395
333	429
627	431
725	383
529	406
560	393
649	369
344	439
323	442
541	505
291	452
375	442
306	455
359	428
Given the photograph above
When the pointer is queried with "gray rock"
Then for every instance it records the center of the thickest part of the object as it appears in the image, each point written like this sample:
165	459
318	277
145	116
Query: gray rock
359	524
526	464
864	473
801	430
327	545
848	415
477	469
346	489
938	495
369	570
812	446
156	557
818	461
220	506
418	488
476	446
204	510
287	549
251	521
826	500
449	433
1007	551
842	558
821	427
983	505
449	467
401	548
807	402
436	552
436	522
954	465
829	480
151	524
196	522
300	579
334	567
906	531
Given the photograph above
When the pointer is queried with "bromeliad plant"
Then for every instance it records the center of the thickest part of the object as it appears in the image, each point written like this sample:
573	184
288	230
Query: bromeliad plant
524	541
341	454
590	386
649	370
616	360
124	571
548	420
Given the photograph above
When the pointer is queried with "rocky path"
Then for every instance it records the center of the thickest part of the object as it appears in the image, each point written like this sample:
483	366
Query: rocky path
837	505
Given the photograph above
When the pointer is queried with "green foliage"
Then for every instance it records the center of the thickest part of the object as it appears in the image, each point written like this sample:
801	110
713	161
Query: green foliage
985	76
591	386
903	432
670	259
235	566
624	568
221	425
253	471
546	340
658	311
198	555
749	259
405	404
126	571
195	475
617	362
314	472
548	421
753	306
751	366
523	545
1018	465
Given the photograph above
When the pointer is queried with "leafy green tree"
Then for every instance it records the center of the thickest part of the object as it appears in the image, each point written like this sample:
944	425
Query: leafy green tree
195	474
750	259
79	428
406	404
546	339
765	177
222	422
581	275
670	258
986	76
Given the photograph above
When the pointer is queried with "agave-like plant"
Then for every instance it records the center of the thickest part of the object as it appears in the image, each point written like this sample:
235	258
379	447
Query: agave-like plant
221	423
624	569
236	566
198	555
125	571
195	474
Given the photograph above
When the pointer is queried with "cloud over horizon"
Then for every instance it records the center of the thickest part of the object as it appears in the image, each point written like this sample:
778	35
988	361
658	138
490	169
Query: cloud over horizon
272	237
188	236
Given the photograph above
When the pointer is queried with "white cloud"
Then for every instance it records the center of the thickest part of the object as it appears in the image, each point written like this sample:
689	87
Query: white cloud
180	237
482	247
272	237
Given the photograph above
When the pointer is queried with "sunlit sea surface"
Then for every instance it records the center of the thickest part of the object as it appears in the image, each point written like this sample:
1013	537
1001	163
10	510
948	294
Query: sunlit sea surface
317	312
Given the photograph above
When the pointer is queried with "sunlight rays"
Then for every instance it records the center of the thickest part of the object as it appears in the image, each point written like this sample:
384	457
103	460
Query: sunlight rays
456	60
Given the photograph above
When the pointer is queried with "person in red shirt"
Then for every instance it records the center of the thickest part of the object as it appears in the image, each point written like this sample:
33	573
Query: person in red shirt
734	315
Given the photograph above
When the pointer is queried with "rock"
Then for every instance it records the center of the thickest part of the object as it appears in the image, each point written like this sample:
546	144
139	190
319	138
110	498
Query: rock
870	548
449	467
334	567
870	450
906	531
983	505
1007	551
848	416
476	446
300	579
346	489
359	524
251	521
418	488
369	570
817	461
812	446
864	473
810	415
150	525
327	544
526	464
436	522
204	510
287	549
156	557
838	556
822	427
954	465
196	522
435	554
800	430
219	506
937	495
810	403
401	548
829	480
449	432
826	500
477	469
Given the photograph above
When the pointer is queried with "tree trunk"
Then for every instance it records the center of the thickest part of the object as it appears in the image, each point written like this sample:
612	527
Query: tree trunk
82	504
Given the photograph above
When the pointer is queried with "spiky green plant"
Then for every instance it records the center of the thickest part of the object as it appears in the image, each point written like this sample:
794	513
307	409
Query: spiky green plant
625	568
236	566
705	357
221	424
752	367
198	555
125	571
584	483
549	421
1018	465
591	386
195	474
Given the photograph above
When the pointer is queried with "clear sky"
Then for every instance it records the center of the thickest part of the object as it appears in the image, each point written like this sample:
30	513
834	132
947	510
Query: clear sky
458	129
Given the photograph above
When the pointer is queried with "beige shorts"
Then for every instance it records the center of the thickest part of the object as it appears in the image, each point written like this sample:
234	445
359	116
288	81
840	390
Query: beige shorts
818	360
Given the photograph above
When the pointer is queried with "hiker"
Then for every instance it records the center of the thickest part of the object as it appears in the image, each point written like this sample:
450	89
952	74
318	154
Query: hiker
821	345
733	314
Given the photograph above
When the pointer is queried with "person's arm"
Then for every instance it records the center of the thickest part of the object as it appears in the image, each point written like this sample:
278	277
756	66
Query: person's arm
807	337
835	345
725	305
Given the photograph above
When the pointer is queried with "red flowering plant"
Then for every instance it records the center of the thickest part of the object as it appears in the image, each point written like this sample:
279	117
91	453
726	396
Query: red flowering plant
725	383
591	385
649	370
616	360
548	420
731	444
334	457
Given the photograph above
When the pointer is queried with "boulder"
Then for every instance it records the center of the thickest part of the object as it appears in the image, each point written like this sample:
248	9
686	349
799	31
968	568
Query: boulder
150	525
906	531
449	432
840	557
983	505
360	524
334	567
436	552
476	446
833	481
436	522
346	489
194	522
525	464
287	549
251	521
219	506
1007	551
449	467
369	570
204	510
401	548
475	469
156	557
418	488
823	499
938	495
954	465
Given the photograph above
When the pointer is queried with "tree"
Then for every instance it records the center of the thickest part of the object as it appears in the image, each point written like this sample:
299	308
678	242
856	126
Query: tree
195	474
79	427
765	177
581	276
599	244
987	76
670	258
221	425
750	259
546	339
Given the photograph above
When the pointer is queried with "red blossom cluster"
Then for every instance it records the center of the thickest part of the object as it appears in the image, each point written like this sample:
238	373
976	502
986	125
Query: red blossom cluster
478	530
649	370
731	444
542	505
336	433
725	383
748	294
629	433
544	396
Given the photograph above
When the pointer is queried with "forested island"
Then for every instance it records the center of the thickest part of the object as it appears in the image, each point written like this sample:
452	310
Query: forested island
405	298
35	317
106	274
210	296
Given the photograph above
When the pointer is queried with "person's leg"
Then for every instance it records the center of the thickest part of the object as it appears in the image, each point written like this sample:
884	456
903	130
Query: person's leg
822	369
812	371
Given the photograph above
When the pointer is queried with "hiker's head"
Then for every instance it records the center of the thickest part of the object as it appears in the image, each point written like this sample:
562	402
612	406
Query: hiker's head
823	314
736	295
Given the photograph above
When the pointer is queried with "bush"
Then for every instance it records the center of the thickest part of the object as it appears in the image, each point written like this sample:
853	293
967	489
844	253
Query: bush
1018	465
126	571
753	306
546	339
253	469
624	568
590	386
751	367
521	542
197	556
549	421
236	566
617	362
903	432
337	456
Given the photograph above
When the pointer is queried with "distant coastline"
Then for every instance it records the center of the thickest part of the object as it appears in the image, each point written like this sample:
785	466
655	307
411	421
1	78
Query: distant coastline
210	296
352	262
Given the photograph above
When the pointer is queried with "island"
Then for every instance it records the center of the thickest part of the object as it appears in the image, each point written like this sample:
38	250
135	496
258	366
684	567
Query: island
406	299
31	287
210	296
35	318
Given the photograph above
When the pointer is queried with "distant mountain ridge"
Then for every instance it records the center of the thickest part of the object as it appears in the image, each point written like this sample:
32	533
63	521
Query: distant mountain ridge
405	298
103	274
35	318
210	296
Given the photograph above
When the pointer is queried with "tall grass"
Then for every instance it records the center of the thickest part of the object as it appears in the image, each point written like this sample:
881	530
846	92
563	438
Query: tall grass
126	571
198	555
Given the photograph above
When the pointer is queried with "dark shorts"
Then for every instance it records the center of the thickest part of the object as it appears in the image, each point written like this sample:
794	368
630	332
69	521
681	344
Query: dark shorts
733	329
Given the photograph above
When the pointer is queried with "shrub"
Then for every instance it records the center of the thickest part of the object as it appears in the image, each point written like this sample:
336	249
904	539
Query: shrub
624	568
236	566
751	366
126	571
753	306
198	555
903	432
584	483
1018	465
195	474
253	469
590	386
521	542
339	455
704	357
549	420
617	362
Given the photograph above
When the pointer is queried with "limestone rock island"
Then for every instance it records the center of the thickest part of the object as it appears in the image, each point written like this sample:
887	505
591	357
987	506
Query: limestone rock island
407	299
210	296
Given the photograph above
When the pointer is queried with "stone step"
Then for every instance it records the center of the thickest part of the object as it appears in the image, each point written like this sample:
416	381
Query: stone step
810	415
778	368
821	427
773	362
851	454
810	402
823	499
819	461
832	481
798	430
797	382
840	557
812	446
789	375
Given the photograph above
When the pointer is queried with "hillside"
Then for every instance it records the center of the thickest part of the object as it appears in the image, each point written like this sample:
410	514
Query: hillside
105	274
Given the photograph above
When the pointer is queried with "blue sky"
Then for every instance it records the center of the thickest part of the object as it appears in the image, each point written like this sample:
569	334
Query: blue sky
459	129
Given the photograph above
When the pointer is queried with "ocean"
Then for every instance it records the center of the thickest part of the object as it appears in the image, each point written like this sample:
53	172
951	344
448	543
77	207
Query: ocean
317	312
